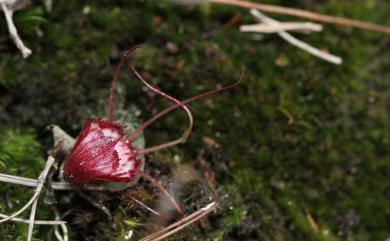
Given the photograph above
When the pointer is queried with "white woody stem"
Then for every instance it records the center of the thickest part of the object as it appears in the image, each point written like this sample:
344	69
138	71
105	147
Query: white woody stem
29	182
294	41
13	32
36	222
286	26
181	224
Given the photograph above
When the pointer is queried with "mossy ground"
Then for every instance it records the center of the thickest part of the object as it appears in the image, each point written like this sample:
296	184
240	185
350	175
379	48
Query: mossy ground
304	146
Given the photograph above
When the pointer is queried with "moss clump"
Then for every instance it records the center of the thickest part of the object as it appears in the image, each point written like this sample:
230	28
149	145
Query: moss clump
20	152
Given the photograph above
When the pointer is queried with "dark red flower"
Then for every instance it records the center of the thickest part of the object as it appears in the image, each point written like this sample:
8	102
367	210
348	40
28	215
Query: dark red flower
102	153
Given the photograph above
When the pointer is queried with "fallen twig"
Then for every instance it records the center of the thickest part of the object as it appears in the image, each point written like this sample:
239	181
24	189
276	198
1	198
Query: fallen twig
181	224
29	182
294	41
57	233
305	14
285	26
32	218
8	7
37	222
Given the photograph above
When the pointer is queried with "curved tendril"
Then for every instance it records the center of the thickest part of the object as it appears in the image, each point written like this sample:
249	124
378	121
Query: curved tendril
125	56
169	109
147	123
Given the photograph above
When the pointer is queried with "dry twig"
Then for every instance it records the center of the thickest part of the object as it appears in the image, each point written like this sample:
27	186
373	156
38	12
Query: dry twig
181	224
305	14
32	218
285	26
29	182
8	7
296	42
64	236
37	222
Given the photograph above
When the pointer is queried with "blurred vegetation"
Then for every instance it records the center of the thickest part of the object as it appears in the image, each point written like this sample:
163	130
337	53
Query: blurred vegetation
303	146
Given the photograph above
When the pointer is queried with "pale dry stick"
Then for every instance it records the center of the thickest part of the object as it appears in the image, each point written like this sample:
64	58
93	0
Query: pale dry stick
285	26
13	32
36	222
296	42
60	237
181	224
305	14
182	221
145	206
29	182
41	181
32	217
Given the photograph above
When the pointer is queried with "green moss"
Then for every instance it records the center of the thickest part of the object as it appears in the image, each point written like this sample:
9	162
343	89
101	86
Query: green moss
296	130
20	153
